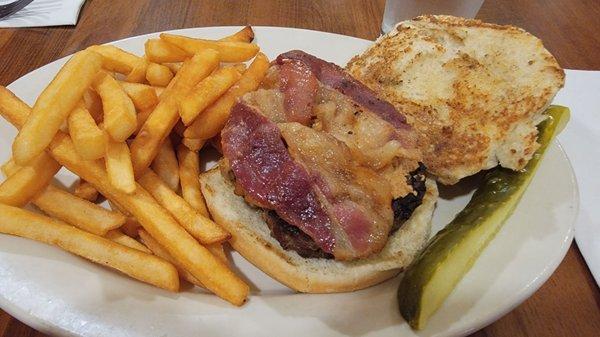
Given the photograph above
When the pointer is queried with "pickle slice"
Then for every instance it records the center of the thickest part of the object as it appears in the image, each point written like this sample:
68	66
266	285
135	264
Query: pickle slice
452	251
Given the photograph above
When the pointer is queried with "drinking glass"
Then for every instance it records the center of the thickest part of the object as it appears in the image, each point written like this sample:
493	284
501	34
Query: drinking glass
399	10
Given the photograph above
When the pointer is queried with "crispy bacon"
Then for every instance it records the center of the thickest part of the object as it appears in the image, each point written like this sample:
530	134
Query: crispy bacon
299	87
269	177
335	77
356	201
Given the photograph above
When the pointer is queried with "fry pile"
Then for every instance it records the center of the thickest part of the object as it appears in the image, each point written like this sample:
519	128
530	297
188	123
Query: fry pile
131	127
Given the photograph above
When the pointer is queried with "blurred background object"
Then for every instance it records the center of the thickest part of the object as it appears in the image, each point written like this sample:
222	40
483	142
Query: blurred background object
42	13
400	10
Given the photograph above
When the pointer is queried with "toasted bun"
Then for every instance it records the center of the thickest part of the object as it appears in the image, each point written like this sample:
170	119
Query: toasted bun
251	238
473	91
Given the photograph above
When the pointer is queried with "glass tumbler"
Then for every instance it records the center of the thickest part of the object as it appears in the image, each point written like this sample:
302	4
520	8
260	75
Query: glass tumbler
399	10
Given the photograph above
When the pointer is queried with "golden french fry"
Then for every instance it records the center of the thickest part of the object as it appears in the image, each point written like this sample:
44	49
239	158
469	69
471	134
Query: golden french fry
189	171
138	73
12	108
116	59
22	185
85	190
54	105
207	92
159	91
118	208
160	51
78	212
118	237
193	144
161	252
89	139
217	250
118	166
141	266
174	66
163	118
93	103
9	168
198	260
143	96
229	51
241	67
142	116
165	165
158	75
244	35
213	119
120	119
199	226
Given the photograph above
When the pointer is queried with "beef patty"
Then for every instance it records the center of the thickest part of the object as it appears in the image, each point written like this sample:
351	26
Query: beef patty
291	237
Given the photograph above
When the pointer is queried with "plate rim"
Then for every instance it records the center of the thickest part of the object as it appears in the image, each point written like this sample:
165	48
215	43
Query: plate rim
49	327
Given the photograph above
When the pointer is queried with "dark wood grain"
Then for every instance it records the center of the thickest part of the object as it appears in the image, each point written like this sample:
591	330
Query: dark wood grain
567	305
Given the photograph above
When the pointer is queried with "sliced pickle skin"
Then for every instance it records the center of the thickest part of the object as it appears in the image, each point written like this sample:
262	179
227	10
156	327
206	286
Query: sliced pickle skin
449	255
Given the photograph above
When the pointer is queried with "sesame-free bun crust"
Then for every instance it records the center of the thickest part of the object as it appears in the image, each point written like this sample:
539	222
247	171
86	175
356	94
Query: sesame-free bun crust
473	91
251	238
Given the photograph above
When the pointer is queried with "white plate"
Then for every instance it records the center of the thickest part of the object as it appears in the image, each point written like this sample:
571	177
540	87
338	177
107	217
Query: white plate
59	293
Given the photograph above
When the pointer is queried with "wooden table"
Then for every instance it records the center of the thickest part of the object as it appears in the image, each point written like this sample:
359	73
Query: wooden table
567	305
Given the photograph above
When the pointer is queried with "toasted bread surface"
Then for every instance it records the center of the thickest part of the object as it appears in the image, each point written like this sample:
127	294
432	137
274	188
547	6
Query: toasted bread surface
251	238
474	91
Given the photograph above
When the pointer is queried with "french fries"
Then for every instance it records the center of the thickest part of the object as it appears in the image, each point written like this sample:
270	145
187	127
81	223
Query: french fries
189	170
142	117
158	75
174	66
207	92
54	105
85	191
12	108
213	119
116	59
159	251
118	237
241	67
143	96
94	118
229	51
87	137
21	186
199	226
160	51
217	250
159	91
9	168
165	165
120	120
198	260
146	144
118	166
138	73
193	144
244	35
78	212
141	266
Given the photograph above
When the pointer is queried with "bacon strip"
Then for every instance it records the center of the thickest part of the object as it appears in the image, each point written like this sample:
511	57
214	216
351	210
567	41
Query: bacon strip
335	77
299	87
269	176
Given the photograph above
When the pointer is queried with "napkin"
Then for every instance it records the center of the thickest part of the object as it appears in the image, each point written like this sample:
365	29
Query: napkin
581	142
41	13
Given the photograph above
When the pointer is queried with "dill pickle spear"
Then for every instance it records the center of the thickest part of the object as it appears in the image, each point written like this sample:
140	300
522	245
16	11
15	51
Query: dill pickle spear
451	253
